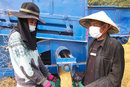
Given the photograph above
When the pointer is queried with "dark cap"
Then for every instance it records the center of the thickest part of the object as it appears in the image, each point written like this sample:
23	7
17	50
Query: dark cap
28	10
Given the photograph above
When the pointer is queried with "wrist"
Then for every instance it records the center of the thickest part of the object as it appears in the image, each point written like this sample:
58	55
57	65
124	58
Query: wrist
48	84
44	83
50	77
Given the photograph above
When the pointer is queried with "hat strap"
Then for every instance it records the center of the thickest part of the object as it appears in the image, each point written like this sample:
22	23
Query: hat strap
29	11
105	31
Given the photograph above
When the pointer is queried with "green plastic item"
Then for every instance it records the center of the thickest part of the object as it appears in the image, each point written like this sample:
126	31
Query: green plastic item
80	84
58	84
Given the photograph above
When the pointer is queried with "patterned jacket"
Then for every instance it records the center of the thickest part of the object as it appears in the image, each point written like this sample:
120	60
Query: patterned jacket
28	66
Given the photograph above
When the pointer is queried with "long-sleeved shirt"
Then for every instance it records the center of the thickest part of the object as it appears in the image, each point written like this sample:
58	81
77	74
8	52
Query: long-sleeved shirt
28	66
109	64
90	73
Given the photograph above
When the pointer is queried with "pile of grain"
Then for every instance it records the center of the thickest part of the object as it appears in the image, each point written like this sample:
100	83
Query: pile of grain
8	82
126	78
65	77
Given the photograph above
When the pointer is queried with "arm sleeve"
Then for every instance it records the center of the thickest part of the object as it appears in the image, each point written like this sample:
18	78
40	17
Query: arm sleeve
27	60
115	76
43	69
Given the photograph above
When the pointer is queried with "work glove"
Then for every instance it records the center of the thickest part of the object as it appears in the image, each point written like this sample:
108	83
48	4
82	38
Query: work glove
48	84
78	76
52	78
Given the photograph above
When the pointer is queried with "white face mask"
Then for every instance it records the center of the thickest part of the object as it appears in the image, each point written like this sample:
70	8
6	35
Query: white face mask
32	28
95	31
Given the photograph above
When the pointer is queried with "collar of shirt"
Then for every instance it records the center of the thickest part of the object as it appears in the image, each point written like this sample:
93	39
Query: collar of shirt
104	41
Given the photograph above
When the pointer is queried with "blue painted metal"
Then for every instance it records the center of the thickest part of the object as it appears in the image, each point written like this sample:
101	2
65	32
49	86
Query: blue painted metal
70	62
9	72
67	68
62	27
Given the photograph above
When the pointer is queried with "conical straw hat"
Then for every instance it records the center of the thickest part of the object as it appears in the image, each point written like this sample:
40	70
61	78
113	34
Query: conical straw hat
99	16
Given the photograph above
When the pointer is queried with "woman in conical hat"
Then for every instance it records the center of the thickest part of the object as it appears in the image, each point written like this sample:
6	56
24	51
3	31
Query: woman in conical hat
28	66
105	62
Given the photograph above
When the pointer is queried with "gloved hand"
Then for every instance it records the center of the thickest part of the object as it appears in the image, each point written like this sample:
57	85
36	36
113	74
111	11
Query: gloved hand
52	78
78	77
48	84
